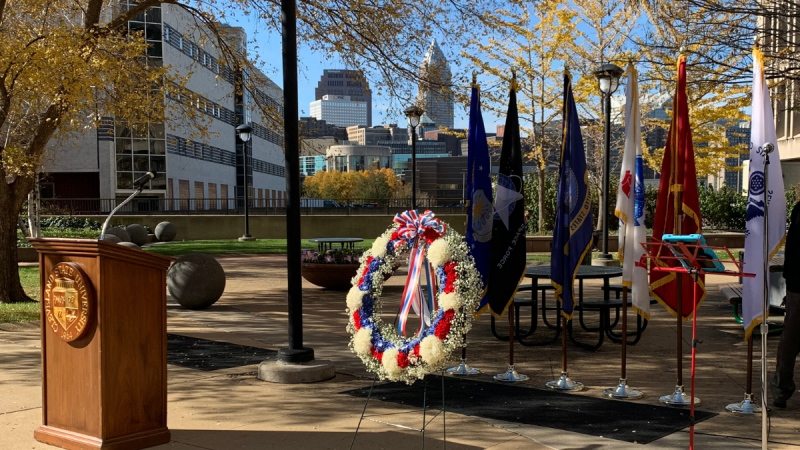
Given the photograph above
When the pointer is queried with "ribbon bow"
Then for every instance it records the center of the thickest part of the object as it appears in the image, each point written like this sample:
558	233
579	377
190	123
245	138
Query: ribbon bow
414	227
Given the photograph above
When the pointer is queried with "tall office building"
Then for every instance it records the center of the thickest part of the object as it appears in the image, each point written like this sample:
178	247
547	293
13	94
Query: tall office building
198	173
340	110
435	93
352	83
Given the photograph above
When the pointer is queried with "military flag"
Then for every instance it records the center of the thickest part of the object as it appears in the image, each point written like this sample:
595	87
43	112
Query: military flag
761	190
678	206
572	236
507	261
630	203
480	212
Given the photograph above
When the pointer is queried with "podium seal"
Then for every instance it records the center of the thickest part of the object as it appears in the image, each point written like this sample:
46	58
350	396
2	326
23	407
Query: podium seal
67	301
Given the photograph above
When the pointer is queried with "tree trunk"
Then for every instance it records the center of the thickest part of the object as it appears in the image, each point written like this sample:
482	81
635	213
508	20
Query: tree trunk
10	204
541	200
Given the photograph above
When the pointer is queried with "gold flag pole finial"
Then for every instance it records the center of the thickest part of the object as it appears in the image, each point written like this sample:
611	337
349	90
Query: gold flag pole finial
474	78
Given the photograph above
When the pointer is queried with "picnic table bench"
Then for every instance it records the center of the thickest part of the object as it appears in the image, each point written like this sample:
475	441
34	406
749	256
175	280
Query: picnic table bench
733	293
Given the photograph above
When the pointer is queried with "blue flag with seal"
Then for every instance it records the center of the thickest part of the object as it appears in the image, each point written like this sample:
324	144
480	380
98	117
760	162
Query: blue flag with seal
479	195
572	237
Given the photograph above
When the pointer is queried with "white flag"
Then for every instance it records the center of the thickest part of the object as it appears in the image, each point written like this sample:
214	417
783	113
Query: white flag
630	203
762	130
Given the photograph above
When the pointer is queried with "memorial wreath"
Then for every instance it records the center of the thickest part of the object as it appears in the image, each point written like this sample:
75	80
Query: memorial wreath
454	288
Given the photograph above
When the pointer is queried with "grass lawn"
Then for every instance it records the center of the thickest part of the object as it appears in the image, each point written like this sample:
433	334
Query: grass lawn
23	312
233	246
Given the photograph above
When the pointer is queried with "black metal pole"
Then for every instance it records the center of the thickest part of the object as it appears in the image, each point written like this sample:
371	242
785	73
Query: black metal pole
295	353
413	167
606	177
246	193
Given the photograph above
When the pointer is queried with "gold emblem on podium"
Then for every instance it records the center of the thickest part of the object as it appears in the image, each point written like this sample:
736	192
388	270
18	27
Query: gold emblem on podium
67	301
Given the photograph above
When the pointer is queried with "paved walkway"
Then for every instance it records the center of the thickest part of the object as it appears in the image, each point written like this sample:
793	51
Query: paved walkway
231	409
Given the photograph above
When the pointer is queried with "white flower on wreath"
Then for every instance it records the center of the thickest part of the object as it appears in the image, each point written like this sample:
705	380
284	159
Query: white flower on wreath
354	298
362	342
389	361
439	253
431	350
446	301
379	247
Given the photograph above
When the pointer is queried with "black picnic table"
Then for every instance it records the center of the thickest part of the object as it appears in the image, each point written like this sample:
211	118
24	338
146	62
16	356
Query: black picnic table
603	307
323	242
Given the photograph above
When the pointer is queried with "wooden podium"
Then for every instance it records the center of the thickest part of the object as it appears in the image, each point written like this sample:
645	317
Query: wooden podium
104	345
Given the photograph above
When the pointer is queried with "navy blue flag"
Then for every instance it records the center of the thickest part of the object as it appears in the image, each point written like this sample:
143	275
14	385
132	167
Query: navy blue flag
479	194
572	237
507	266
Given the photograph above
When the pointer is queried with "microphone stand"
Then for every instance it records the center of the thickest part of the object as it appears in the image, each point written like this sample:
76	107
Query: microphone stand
138	191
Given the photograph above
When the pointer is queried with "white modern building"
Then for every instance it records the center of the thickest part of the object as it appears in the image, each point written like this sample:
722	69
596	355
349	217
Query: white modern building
354	158
340	110
195	172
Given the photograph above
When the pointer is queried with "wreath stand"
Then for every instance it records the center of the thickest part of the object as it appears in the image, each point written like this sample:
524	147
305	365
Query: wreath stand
688	256
425	421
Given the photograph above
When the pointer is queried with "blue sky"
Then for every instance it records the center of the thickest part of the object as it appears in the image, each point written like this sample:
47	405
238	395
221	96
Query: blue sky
267	45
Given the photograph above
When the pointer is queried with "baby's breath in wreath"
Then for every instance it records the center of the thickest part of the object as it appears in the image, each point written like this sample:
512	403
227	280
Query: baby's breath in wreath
458	288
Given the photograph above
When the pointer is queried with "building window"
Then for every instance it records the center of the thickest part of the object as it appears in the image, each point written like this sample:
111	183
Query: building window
140	149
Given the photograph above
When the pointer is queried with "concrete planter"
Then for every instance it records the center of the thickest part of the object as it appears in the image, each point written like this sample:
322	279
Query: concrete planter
27	254
330	276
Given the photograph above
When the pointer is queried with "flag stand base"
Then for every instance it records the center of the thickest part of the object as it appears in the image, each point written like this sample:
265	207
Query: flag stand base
678	398
564	383
463	370
745	406
510	376
622	390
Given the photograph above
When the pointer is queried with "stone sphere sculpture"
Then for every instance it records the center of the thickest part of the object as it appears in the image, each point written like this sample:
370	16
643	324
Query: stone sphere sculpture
111	238
120	233
165	231
138	234
129	245
196	280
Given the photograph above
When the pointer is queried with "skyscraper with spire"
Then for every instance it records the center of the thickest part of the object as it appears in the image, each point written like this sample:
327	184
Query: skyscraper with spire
435	92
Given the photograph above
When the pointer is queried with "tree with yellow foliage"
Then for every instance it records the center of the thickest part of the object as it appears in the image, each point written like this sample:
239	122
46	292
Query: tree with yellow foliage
717	92
58	56
533	42
370	186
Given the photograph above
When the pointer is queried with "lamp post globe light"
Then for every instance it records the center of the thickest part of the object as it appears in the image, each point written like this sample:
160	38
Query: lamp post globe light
608	76
244	131
414	113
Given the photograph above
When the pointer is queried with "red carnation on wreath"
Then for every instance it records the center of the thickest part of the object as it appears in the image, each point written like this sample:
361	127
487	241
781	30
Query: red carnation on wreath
443	327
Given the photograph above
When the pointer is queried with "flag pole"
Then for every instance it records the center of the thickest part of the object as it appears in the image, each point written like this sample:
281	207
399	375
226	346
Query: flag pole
679	397
768	148
622	390
747	406
511	375
463	369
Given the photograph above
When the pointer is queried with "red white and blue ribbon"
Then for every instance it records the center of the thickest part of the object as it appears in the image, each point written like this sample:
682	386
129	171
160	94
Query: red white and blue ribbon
414	227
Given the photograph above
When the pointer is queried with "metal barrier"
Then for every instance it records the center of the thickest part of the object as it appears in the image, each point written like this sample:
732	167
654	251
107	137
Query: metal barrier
229	206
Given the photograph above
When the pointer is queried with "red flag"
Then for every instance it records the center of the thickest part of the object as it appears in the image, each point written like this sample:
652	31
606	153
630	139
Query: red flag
678	206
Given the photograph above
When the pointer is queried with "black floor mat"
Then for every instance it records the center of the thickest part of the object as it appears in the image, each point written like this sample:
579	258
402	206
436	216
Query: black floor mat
202	354
624	421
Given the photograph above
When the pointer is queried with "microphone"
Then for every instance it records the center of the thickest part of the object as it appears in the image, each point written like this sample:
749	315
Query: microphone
768	148
139	183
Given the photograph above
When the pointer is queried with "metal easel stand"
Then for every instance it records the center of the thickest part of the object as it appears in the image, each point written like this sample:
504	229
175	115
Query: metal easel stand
425	422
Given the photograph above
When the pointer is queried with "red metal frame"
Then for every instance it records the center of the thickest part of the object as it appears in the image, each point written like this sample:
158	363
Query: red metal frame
690	256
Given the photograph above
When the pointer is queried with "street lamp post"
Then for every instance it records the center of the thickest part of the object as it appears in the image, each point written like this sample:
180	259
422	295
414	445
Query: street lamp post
608	79
414	113
244	131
